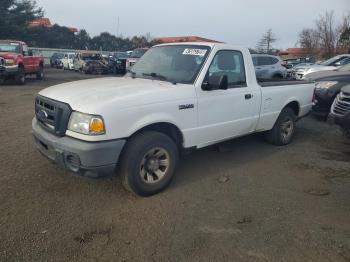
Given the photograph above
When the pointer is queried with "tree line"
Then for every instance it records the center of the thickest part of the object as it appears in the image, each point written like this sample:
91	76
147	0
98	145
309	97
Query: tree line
327	37
15	16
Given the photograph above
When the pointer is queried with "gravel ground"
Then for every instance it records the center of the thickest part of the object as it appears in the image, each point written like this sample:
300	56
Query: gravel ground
243	201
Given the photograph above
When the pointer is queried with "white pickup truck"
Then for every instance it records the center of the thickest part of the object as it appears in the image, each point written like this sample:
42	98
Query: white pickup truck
177	97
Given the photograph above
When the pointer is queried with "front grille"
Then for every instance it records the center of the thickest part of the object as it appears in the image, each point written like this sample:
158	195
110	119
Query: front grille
52	115
341	104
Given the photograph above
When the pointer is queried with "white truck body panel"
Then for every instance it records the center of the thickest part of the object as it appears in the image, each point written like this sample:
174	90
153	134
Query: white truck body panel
128	104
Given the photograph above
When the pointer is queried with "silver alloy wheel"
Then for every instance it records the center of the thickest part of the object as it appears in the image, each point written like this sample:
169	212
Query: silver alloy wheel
287	128
154	165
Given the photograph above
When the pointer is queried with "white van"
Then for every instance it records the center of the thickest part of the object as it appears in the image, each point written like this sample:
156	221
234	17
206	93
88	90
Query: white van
67	61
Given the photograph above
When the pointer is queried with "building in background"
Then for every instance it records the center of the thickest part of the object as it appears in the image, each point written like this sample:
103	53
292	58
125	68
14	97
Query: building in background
176	39
47	23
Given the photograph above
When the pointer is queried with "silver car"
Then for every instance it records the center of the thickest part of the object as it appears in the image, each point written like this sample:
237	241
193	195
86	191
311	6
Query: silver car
269	66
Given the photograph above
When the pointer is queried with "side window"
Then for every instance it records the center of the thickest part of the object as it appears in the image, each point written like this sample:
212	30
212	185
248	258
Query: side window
231	64
264	60
25	50
274	60
255	61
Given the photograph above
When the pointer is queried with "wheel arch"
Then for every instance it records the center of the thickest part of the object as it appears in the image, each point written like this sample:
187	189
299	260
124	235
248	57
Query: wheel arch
166	128
294	105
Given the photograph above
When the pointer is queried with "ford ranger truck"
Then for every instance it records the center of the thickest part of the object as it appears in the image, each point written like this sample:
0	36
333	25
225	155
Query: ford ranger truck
17	61
177	97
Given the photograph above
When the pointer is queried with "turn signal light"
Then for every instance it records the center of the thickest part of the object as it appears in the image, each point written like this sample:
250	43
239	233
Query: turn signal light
97	126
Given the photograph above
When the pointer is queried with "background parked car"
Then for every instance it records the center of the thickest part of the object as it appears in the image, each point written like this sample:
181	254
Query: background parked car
80	60
134	57
96	65
269	66
290	63
55	60
333	63
17	61
341	110
67	61
117	62
328	86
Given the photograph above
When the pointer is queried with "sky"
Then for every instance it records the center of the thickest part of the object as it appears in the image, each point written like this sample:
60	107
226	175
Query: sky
239	22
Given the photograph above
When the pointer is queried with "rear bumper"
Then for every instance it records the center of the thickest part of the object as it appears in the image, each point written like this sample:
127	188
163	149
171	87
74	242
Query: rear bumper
90	159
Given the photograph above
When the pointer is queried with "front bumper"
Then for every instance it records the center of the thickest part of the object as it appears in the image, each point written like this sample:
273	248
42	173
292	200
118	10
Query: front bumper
323	104
90	159
8	70
342	121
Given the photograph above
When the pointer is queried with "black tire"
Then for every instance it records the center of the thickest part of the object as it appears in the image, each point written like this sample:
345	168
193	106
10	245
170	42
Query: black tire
283	131
137	157
40	73
20	77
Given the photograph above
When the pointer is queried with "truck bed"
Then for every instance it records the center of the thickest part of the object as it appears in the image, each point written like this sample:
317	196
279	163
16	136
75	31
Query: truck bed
280	82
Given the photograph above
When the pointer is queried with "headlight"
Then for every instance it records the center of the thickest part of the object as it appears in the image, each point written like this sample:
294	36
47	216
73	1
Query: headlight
86	124
9	62
324	85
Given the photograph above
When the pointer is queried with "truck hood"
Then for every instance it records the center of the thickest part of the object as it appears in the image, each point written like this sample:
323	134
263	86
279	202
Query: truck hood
319	68
8	55
91	96
304	68
328	75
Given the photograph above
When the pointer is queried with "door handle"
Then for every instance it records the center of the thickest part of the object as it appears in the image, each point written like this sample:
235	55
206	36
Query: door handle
248	96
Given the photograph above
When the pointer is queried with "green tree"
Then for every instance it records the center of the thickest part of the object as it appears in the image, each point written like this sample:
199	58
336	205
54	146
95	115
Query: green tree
266	41
82	40
15	15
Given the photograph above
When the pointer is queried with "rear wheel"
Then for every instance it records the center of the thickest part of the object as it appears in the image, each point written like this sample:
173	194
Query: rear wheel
283	131
40	73
20	77
148	163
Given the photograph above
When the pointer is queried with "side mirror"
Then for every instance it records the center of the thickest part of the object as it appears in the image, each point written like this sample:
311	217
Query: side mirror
219	82
337	63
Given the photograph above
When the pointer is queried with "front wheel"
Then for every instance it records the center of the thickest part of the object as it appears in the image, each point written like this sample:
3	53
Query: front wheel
283	131
148	163
20	77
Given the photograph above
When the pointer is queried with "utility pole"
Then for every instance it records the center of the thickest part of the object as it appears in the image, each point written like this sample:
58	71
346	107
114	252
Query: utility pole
118	27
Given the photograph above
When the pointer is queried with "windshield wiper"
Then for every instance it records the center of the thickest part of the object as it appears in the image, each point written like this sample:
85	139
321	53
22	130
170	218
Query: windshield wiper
155	75
159	76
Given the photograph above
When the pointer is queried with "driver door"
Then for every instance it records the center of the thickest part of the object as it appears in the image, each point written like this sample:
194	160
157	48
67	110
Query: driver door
224	114
27	60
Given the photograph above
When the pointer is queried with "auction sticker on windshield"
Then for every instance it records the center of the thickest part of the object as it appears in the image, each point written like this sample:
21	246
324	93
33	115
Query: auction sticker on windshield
194	51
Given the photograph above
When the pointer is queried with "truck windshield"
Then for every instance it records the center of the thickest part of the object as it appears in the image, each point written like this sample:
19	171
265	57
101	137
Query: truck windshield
120	55
173	63
9	47
138	53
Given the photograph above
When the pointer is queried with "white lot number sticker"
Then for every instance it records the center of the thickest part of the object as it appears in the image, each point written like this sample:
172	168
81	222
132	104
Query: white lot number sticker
193	51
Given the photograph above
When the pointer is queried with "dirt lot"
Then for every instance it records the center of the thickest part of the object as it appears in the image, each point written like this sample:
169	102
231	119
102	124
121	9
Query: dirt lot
249	201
